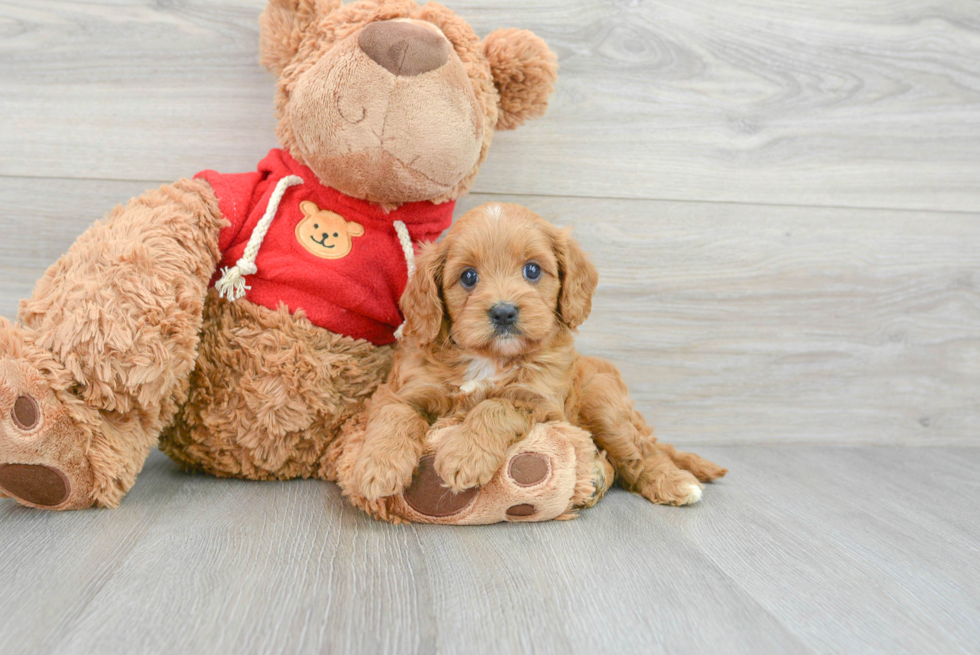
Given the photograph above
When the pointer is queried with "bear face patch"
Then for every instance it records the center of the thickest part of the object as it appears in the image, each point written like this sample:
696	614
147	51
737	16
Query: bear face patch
326	234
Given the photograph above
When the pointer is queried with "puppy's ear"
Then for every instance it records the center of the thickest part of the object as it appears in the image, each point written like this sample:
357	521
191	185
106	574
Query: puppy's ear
283	25
422	301
524	72
579	278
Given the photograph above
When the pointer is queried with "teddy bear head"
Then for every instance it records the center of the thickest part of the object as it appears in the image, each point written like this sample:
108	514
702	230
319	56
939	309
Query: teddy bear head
392	102
326	234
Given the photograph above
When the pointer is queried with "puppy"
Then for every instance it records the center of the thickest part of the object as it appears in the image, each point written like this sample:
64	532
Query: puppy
488	351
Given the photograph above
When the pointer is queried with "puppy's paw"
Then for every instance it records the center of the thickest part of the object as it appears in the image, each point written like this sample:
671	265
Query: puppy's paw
671	488
462	463
379	482
702	469
384	470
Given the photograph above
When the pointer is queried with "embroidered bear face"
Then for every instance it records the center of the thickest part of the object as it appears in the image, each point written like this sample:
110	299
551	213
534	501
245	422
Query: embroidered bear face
325	233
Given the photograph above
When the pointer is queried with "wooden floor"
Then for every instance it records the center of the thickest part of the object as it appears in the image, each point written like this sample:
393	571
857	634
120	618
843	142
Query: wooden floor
783	200
799	550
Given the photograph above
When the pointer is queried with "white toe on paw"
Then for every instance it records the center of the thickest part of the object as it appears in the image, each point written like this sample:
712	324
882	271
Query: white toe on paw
693	494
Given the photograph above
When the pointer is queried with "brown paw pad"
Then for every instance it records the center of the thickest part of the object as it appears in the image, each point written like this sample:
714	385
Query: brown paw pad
529	469
429	497
26	413
35	484
524	509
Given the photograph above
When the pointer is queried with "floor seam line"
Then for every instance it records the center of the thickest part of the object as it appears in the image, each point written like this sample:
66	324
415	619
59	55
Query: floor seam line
750	203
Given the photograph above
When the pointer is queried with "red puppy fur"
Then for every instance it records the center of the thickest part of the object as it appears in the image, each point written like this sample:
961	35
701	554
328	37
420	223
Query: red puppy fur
488	348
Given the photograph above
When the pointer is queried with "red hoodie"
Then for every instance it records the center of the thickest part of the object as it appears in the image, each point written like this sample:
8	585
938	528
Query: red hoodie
336	258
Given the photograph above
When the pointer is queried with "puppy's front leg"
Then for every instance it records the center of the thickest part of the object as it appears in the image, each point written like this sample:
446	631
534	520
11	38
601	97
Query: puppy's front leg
392	446
469	454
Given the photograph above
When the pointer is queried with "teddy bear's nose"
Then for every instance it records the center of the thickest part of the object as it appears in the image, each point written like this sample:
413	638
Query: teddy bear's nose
404	48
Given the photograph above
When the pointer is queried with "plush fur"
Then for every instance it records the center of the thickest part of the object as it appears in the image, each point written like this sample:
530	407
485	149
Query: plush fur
421	155
485	383
108	340
577	477
123	344
269	393
523	72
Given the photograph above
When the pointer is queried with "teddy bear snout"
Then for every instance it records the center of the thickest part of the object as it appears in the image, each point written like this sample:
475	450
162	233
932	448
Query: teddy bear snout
404	48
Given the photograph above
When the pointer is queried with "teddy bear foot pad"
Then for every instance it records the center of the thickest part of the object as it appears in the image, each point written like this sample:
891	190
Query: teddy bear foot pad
35	484
429	497
42	454
536	483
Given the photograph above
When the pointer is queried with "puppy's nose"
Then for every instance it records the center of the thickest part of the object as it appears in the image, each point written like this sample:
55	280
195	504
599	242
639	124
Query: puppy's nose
503	314
404	48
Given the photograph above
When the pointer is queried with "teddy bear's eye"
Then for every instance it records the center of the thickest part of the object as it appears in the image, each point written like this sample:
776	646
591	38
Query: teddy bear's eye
469	278
316	226
336	234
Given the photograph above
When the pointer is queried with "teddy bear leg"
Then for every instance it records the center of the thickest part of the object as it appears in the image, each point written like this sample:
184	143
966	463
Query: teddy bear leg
99	360
551	473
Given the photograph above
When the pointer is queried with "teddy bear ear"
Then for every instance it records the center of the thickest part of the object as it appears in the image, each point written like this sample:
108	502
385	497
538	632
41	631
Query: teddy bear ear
308	208
524	72
283	25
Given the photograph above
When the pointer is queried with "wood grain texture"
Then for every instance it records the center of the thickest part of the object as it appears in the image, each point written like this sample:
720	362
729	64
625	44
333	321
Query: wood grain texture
760	310
836	103
53	564
800	550
731	323
871	539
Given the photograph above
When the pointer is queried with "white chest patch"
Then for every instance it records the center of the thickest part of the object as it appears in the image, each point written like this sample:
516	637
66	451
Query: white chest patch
480	374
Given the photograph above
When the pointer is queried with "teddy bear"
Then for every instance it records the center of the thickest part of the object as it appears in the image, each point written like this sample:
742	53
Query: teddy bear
240	321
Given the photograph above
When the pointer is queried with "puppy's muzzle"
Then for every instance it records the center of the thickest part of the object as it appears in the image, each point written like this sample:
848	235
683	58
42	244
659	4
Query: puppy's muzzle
503	317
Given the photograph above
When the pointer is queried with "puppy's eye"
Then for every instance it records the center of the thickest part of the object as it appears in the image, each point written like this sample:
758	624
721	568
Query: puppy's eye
316	226
336	234
469	278
532	272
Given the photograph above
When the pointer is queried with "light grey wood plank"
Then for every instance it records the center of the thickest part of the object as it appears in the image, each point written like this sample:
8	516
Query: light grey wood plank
52	564
731	323
135	91
239	567
838	103
853	549
799	549
257	567
613	581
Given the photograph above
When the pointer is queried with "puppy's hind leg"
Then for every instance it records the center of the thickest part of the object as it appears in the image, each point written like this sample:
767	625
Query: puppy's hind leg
660	479
642	464
703	470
